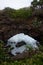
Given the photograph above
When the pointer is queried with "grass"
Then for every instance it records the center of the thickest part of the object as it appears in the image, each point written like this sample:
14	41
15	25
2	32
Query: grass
36	59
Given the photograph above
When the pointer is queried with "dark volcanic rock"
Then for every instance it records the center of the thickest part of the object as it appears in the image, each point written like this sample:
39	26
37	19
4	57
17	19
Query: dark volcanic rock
20	44
10	26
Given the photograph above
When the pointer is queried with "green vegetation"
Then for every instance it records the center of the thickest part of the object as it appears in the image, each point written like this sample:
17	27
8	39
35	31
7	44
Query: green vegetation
7	15
38	3
21	13
5	59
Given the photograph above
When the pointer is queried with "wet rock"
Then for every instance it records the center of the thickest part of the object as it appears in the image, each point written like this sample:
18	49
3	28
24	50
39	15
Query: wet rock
20	44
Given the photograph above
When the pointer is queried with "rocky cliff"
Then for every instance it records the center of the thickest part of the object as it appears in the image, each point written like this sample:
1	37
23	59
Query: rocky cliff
11	26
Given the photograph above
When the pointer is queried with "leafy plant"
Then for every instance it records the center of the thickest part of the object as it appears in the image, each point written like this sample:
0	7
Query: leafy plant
36	59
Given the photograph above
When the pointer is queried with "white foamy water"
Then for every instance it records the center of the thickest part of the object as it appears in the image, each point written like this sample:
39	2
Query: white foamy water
19	38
